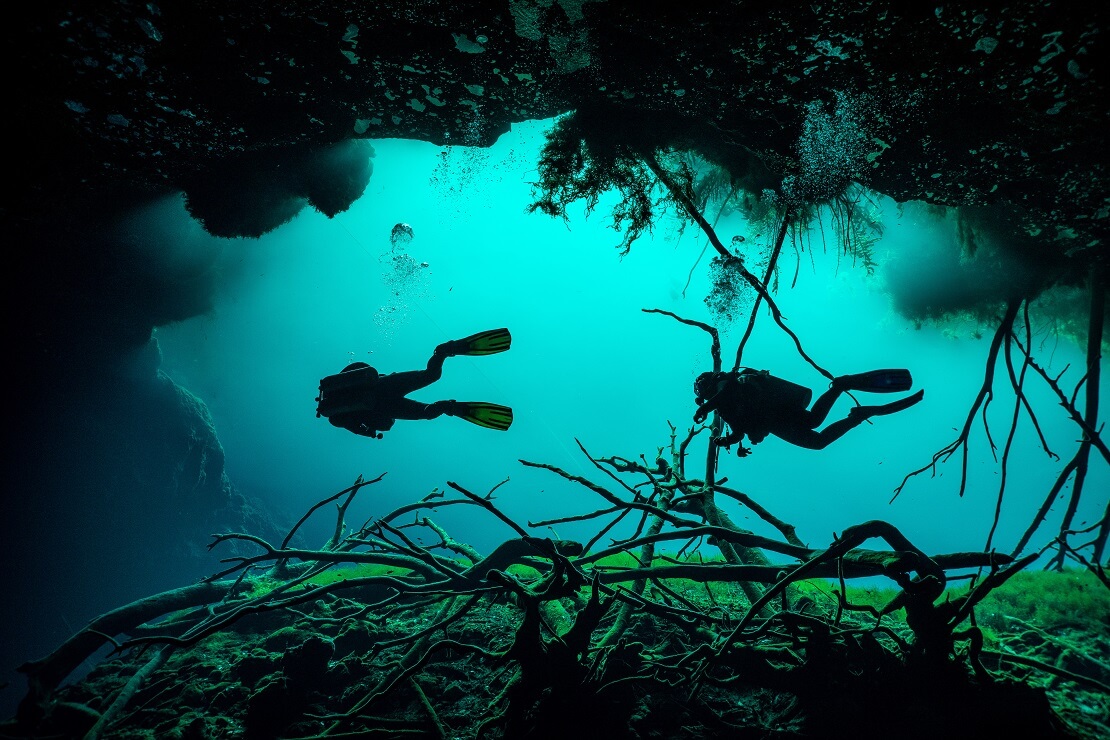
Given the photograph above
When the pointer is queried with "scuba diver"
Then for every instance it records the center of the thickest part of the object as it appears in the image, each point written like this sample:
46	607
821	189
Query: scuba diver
756	403
362	401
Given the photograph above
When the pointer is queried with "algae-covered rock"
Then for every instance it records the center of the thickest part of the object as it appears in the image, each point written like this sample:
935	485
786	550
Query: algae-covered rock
271	707
308	660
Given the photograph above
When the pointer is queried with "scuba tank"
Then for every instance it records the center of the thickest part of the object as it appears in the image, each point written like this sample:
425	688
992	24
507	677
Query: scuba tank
757	391
775	394
347	391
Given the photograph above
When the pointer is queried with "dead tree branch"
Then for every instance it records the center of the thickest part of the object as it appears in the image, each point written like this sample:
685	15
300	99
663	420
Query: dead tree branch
981	400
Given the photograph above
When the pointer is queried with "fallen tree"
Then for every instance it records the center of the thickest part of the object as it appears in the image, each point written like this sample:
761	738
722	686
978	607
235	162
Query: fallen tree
556	631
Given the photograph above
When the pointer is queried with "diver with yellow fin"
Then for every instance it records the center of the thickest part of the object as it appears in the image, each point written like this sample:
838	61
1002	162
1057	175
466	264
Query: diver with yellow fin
756	403
361	400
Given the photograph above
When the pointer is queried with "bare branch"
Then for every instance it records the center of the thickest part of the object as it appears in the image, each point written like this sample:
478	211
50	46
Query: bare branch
692	210
486	504
985	393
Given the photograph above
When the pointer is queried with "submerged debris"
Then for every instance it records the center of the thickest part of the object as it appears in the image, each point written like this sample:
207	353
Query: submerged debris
373	633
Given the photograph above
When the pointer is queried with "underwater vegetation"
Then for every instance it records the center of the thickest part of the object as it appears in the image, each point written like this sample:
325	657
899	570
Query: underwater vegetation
373	635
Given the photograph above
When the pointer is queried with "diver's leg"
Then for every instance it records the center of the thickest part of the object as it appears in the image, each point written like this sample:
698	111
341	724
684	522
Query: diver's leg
402	384
820	409
814	440
408	409
405	383
866	412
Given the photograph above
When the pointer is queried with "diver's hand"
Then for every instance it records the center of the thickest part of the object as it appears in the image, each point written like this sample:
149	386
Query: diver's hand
741	450
700	414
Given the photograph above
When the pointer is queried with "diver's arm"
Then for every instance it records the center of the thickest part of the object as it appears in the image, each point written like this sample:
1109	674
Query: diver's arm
707	406
729	439
714	402
354	425
733	438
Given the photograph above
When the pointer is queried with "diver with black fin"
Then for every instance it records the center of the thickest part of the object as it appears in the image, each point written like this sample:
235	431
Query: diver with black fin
755	403
361	400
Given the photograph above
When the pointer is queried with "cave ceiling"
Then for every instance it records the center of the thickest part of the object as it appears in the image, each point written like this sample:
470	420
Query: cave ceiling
965	104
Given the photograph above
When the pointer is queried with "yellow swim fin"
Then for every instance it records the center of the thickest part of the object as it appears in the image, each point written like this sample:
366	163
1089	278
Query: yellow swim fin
488	415
485	342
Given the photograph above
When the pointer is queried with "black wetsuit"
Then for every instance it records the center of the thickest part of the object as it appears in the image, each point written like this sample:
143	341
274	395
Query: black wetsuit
754	404
384	402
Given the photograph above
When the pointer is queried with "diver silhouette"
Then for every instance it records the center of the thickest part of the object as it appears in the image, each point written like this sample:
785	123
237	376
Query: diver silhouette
756	403
362	401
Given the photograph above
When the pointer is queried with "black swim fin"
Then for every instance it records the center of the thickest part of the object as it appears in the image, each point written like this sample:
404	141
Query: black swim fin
866	412
483	343
876	381
488	415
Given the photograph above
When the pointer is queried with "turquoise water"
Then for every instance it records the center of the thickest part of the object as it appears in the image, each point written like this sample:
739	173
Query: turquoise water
587	364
